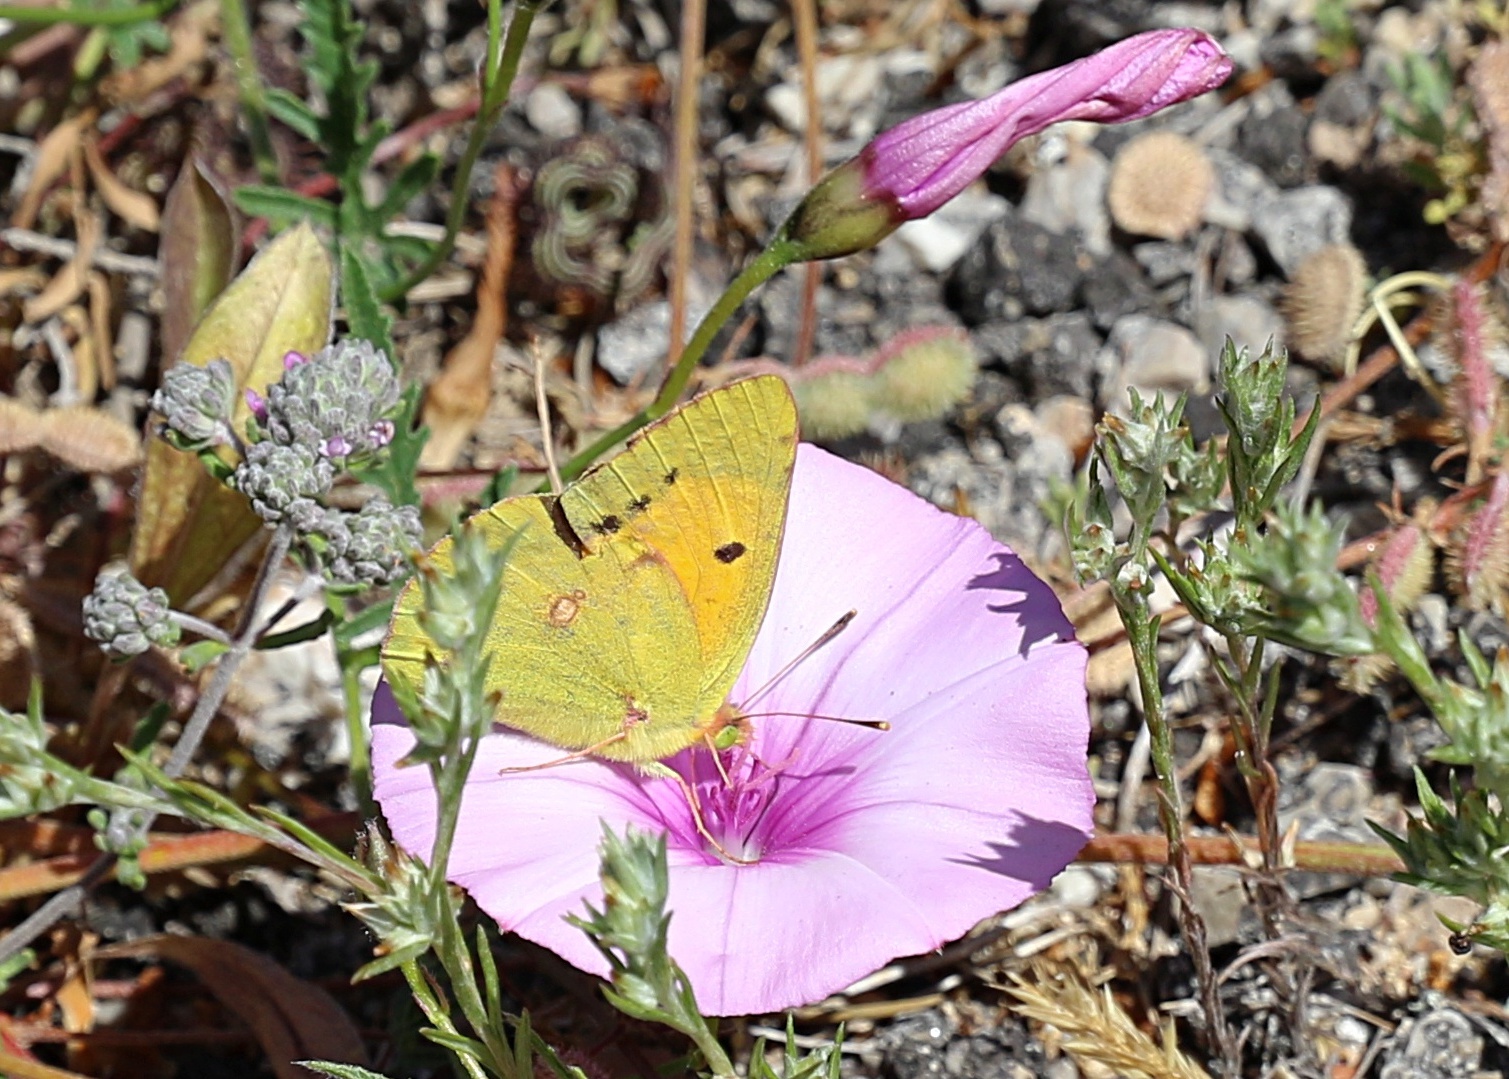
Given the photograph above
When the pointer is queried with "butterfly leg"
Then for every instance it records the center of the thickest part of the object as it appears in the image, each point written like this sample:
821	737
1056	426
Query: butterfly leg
580	754
655	768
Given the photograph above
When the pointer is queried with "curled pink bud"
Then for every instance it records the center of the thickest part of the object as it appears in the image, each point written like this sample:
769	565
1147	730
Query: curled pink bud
917	166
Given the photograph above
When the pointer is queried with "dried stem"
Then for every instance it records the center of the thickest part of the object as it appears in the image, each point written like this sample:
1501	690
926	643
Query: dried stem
693	32
804	15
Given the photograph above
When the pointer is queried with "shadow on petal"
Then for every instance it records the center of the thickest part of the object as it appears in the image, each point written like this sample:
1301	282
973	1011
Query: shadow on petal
1037	611
1036	853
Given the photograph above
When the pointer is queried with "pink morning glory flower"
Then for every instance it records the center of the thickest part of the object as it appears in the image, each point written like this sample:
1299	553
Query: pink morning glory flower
860	845
918	165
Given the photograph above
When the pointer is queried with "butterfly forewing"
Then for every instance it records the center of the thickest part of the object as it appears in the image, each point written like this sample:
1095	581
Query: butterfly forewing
704	491
629	604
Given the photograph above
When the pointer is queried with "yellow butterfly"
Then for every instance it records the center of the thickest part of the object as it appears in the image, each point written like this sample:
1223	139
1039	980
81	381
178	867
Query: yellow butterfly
630	601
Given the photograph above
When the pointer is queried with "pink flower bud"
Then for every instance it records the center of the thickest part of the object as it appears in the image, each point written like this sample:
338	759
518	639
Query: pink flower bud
917	166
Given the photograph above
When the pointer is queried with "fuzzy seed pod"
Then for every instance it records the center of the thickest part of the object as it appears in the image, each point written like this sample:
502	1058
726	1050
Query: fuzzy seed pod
1323	300
1478	565
922	373
832	405
1159	184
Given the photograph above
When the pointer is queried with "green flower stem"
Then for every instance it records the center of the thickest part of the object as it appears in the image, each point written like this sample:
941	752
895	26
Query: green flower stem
501	66
358	736
52	16
777	256
712	1052
1142	634
435	1011
235	31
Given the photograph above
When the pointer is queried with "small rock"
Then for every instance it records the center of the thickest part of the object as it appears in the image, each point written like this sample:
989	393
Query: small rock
1241	188
1297	223
1439	1045
1116	287
632	345
1151	355
1327	801
1018	268
1219	895
1272	137
1070	194
550	111
1163	261
1049	356
936	242
1250	322
1291	53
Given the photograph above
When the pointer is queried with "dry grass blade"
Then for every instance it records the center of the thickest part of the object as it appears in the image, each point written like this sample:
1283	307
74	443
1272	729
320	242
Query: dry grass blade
1097	1031
53	155
292	1019
69	282
458	397
134	207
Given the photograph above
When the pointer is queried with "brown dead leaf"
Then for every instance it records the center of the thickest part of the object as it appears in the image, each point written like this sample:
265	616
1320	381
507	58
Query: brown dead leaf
90	440
86	369
53	156
188	45
457	399
197	252
75	994
15	1066
292	1019
18	643
133	207
99	327
68	284
21	279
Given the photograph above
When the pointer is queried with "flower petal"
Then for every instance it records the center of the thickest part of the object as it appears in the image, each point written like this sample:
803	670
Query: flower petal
876	844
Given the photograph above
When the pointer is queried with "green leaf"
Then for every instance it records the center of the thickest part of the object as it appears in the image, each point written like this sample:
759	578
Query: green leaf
283	207
373	617
364	313
410	181
295	113
299	634
339	1071
201	654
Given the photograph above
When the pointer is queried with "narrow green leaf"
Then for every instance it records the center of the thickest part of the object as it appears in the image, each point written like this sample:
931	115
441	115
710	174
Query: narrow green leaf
283	207
364	311
294	112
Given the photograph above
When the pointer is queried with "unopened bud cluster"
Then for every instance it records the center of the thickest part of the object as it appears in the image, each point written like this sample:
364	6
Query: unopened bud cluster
328	412
196	404
126	617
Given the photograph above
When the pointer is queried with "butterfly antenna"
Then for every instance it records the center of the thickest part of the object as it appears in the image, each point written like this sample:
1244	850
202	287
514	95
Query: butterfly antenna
828	634
543	406
868	724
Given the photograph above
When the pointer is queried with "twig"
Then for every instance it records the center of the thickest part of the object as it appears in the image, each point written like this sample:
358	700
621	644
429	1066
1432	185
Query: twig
103	257
693	31
1367	859
804	14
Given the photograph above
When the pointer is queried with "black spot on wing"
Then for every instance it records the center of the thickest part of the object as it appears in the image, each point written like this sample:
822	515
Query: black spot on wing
671	477
638	506
729	552
608	525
